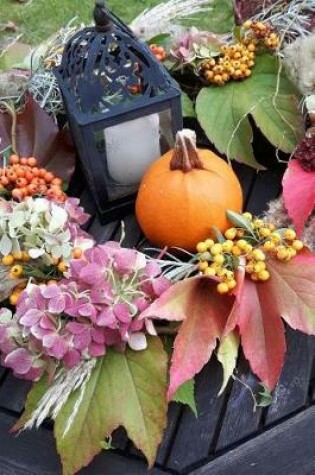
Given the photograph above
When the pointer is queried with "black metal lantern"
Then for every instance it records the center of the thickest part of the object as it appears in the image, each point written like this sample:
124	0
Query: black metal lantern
123	108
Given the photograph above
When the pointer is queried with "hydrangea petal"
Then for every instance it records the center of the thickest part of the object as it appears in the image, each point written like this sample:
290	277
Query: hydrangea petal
137	341
20	360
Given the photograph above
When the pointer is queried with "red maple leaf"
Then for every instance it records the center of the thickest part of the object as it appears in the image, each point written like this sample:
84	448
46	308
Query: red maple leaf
298	194
37	135
204	313
256	310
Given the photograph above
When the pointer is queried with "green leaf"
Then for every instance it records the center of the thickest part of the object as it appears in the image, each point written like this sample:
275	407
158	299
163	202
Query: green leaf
185	394
163	39
34	396
227	356
107	444
125	389
187	106
5	245
264	398
239	221
267	96
217	234
14	56
221	17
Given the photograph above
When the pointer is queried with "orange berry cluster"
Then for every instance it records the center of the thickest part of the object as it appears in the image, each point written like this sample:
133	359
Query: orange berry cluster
256	243
235	62
24	178
260	33
158	51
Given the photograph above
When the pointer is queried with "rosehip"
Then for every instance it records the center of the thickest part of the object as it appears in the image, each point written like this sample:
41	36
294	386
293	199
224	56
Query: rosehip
14	159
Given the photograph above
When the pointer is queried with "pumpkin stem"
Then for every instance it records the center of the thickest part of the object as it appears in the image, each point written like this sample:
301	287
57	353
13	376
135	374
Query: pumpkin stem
185	156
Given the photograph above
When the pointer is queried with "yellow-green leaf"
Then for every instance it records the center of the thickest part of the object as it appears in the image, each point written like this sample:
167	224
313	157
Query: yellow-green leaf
125	389
227	355
267	96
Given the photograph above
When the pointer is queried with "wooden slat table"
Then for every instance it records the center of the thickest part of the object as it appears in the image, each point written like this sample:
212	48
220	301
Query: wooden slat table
227	438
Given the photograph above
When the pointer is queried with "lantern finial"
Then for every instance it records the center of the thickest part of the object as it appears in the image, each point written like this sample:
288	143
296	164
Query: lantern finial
102	20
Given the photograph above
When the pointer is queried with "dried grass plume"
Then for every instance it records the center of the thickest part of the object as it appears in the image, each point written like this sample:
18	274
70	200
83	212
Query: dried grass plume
299	59
163	17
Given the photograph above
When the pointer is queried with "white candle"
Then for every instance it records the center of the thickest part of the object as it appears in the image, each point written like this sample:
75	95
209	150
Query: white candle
131	147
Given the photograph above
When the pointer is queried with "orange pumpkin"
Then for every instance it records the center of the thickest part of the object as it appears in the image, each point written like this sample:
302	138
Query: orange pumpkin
186	192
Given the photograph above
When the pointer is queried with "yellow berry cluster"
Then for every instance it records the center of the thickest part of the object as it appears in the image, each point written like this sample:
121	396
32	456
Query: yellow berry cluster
19	269
237	60
16	269
234	63
261	33
256	243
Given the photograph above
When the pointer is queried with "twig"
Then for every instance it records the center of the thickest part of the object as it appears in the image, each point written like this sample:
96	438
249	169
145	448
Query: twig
13	114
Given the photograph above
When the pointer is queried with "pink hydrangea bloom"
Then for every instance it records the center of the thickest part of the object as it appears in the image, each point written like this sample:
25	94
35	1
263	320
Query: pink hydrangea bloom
196	44
97	305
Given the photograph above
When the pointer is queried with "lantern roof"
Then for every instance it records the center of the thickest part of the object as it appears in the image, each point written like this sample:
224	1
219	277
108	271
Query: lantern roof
106	71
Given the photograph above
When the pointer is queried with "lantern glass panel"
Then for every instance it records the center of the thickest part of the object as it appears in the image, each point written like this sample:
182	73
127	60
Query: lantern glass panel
129	148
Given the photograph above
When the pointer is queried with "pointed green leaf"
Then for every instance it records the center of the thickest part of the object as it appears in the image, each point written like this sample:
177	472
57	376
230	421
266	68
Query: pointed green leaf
163	39
34	396
227	355
217	234
267	96
125	389
264	398
187	106
239	221
185	394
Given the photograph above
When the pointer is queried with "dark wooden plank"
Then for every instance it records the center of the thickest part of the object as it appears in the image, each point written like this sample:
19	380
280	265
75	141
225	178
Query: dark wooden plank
112	463
13	393
132	232
287	449
174	412
3	372
194	436
87	201
246	176
34	453
312	383
291	393
77	182
102	233
240	421
266	188
30	453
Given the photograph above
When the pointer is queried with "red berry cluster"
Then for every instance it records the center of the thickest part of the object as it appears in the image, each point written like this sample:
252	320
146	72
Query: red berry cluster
24	178
305	153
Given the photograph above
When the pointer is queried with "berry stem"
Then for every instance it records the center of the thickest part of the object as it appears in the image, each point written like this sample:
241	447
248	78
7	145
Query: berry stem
10	110
185	157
